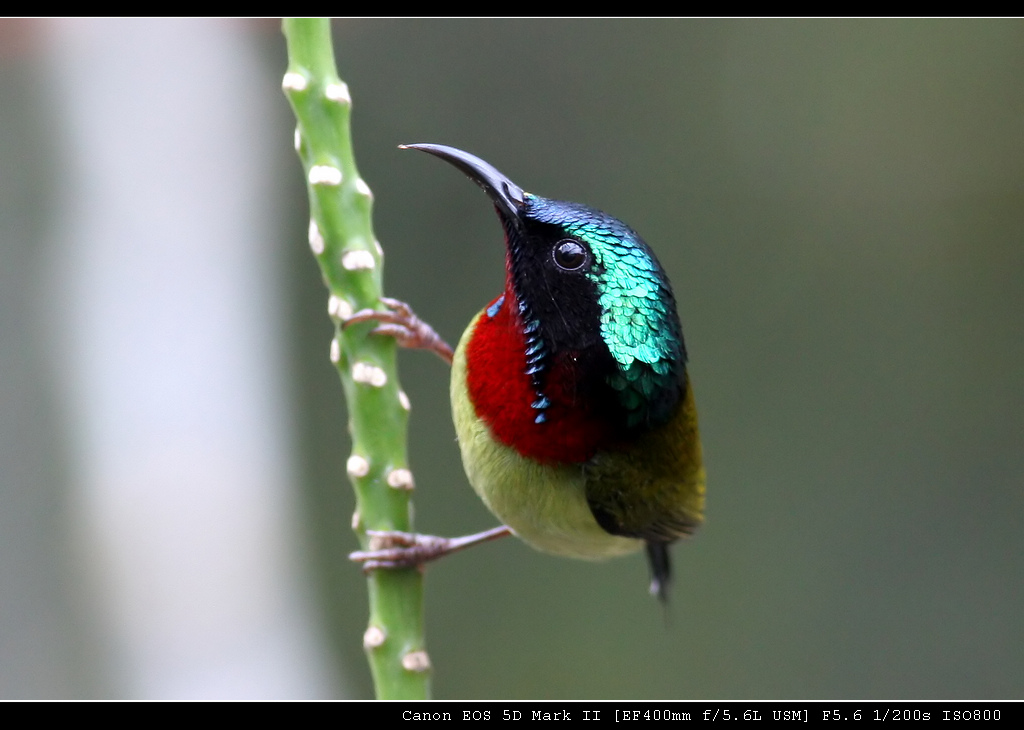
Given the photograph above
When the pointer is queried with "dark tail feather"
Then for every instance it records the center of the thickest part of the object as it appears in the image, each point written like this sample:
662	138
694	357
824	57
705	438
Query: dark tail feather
661	569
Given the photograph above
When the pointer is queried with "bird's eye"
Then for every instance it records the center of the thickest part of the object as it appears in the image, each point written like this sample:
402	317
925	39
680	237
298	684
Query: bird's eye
569	254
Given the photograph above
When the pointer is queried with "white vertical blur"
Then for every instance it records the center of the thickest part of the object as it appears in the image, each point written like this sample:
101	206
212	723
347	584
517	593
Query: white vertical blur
171	347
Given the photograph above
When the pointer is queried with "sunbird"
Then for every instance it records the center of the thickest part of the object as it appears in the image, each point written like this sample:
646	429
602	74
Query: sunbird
570	396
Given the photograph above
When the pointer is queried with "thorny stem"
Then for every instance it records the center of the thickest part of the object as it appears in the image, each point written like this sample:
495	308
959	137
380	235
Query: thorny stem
350	259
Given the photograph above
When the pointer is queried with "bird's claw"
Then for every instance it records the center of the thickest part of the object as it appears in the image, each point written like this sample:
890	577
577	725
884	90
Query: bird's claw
401	323
393	550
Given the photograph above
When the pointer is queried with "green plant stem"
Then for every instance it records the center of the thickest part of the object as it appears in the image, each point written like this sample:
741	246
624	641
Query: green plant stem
350	259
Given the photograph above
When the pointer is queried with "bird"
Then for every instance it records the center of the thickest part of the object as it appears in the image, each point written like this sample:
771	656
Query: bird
572	405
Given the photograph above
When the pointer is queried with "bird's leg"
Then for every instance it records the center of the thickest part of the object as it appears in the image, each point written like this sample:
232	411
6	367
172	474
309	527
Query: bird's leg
391	550
400	322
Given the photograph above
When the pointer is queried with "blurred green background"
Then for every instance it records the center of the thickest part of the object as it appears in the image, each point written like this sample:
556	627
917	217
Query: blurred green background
840	207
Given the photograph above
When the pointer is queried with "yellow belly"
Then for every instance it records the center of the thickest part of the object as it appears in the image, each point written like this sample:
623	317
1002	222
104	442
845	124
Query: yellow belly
544	505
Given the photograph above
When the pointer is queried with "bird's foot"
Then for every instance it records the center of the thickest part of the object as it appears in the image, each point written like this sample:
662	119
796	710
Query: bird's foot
395	550
400	322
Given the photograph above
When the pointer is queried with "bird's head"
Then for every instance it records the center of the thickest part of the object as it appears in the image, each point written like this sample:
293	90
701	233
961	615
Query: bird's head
587	287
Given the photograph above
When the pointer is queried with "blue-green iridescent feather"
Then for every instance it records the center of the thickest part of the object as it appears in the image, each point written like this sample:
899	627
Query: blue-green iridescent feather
639	323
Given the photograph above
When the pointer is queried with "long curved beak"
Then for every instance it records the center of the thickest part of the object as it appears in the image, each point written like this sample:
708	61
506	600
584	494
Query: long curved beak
507	196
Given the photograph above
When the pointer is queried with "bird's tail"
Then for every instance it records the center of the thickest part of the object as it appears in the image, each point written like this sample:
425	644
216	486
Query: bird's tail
661	569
